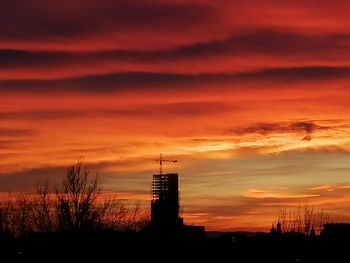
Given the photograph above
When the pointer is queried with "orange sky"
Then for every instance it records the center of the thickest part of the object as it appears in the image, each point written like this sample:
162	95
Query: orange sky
251	96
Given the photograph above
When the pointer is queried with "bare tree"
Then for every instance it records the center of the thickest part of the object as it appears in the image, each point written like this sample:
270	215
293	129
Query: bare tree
321	218
303	219
16	215
112	213
75	199
44	214
5	216
117	216
285	220
137	219
76	203
308	218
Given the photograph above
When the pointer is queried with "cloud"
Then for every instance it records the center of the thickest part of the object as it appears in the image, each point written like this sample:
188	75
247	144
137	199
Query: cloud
114	175
88	17
132	111
29	178
307	138
71	24
117	170
329	188
9	144
8	132
256	193
319	55
123	37
145	81
282	127
266	41
261	41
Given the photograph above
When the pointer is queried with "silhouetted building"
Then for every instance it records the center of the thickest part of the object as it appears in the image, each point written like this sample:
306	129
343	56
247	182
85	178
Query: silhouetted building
165	206
340	231
165	201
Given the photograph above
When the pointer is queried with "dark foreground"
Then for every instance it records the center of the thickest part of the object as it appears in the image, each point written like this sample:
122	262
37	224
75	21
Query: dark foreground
110	246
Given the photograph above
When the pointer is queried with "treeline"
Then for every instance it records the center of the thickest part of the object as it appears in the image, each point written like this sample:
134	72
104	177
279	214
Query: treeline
303	219
76	203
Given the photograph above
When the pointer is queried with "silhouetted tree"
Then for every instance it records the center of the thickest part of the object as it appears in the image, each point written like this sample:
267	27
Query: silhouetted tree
75	199
302	219
74	204
136	220
312	232
279	228
16	215
273	230
44	213
5	216
308	218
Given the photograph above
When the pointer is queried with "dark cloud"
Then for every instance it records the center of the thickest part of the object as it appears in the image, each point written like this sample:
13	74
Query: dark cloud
307	138
301	73
103	83
9	143
40	20
308	127
11	58
303	127
8	132
112	175
161	110
265	42
28	179
160	81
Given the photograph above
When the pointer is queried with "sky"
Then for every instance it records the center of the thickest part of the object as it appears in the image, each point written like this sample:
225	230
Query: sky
252	98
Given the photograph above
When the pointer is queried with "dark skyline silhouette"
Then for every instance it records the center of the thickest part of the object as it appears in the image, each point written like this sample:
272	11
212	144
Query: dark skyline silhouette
251	96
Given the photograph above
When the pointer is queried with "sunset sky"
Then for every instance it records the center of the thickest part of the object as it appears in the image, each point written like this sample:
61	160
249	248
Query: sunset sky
252	97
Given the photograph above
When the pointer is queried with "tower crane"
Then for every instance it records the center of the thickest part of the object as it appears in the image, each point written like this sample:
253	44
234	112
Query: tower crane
161	160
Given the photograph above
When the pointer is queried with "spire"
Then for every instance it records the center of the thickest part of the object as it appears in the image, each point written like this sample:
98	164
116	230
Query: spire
279	228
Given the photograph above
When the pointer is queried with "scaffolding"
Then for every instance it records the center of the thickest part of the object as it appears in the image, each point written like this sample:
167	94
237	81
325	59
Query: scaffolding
165	199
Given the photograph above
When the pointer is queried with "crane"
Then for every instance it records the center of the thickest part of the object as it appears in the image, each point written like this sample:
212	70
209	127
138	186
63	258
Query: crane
161	160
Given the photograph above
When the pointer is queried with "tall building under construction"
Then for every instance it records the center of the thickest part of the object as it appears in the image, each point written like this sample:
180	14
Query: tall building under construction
165	201
165	205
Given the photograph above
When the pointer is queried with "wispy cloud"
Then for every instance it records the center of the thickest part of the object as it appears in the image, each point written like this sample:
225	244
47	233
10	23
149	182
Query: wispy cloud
282	127
256	193
9	132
